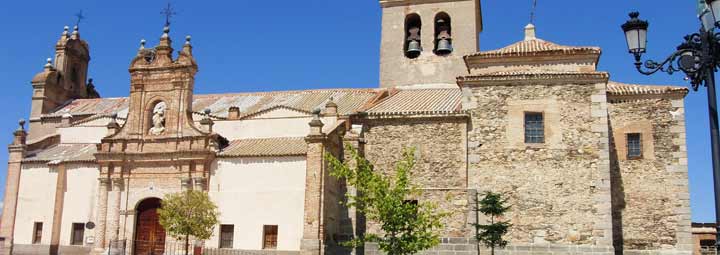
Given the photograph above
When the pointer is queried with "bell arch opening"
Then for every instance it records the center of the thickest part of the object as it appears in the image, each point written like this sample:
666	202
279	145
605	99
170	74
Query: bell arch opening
413	42
443	34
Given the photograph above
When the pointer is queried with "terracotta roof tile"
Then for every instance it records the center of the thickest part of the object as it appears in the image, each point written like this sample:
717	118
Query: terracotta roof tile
64	153
623	89
534	47
286	146
348	101
419	101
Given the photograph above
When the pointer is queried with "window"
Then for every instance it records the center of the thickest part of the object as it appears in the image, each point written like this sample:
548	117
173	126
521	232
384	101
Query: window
37	233
270	235
226	236
534	128
707	242
78	233
413	42
634	146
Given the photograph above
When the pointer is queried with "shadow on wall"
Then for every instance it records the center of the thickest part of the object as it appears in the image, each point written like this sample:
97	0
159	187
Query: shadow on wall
617	195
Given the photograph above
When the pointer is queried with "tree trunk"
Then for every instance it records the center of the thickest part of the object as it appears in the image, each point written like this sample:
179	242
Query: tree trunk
187	244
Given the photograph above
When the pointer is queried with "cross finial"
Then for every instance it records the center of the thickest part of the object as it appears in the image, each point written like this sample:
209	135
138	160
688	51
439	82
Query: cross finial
168	11
79	17
532	12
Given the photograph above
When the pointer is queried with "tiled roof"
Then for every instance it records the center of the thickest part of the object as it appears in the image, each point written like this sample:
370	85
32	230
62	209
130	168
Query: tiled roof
623	89
63	153
419	101
534	47
348	101
286	146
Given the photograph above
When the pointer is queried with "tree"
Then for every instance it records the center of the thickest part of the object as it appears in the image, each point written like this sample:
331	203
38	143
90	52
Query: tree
188	213
407	226
491	235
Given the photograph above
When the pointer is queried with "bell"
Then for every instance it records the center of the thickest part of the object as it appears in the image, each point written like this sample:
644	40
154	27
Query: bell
414	47
444	47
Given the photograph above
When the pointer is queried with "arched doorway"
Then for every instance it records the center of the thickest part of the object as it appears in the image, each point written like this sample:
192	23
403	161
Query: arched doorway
149	234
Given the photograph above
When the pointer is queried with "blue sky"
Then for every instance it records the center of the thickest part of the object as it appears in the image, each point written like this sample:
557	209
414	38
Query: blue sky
281	45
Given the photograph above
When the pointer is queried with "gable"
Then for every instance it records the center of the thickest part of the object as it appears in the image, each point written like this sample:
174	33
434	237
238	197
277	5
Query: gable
278	112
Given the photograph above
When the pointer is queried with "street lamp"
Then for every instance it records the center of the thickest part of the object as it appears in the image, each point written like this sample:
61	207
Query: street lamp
698	57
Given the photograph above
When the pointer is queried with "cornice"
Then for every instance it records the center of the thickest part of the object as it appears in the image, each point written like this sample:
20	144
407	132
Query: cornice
520	78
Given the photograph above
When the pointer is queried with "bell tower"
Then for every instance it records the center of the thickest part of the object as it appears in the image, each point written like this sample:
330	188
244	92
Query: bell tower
424	41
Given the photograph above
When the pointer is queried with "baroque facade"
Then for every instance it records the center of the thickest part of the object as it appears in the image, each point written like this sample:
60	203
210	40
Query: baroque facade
591	166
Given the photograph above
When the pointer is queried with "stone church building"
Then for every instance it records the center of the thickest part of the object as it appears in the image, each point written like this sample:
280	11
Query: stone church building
590	166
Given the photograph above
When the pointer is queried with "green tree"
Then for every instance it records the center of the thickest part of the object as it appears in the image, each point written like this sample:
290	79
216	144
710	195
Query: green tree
188	213
407	226
491	235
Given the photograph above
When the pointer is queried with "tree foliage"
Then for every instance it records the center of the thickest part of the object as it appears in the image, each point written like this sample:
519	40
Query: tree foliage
491	235
407	226
188	213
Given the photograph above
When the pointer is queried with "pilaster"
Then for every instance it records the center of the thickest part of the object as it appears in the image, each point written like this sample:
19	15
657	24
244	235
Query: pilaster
12	186
312	242
603	231
58	208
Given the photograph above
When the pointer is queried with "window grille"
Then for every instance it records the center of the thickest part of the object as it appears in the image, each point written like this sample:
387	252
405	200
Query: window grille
270	235
226	236
534	128
634	146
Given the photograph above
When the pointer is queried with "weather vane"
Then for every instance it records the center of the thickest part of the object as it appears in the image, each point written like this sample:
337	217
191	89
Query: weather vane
79	17
532	12
168	12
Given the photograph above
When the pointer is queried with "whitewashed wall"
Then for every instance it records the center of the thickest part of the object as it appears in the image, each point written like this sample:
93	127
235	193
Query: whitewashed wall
80	197
252	192
82	134
275	123
36	201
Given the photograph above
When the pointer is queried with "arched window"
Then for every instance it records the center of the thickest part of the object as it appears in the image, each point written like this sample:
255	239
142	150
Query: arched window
443	34
413	43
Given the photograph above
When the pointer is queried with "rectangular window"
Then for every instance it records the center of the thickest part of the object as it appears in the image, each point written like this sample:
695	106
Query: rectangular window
226	236
37	233
634	146
78	234
534	128
270	235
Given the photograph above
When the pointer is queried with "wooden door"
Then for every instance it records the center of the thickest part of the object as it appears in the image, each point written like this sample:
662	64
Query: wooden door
149	234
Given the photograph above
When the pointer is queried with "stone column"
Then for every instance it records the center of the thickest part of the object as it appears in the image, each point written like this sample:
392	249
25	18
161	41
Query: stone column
113	217
12	186
102	211
312	220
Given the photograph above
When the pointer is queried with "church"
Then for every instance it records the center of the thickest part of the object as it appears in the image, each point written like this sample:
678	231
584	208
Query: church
589	165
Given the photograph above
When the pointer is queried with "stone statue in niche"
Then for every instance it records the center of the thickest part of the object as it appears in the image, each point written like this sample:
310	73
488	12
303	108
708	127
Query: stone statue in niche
158	119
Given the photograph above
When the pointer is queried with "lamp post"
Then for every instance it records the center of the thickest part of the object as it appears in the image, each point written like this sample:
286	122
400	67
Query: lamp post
698	57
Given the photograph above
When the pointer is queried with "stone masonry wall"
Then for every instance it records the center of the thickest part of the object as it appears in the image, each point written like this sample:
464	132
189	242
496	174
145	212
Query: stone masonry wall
440	168
650	194
556	189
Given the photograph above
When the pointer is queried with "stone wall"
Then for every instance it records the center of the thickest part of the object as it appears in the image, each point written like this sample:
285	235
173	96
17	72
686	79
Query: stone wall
556	189
650	194
440	170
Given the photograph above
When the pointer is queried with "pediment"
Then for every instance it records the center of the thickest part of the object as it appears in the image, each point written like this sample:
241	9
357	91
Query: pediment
278	112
